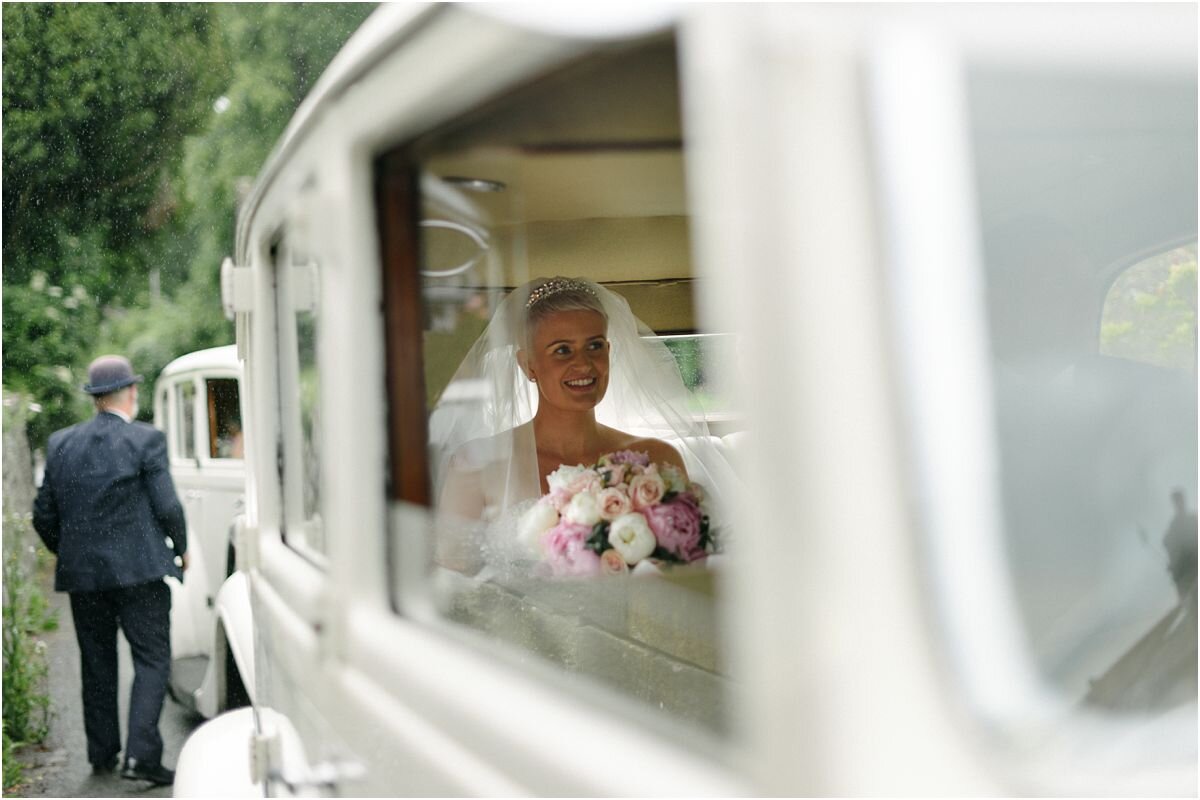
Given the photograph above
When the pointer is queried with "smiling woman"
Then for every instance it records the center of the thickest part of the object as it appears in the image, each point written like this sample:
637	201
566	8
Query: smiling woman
568	349
546	357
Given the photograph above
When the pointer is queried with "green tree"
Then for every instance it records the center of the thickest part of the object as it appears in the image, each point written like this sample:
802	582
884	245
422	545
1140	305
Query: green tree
130	130
282	49
97	101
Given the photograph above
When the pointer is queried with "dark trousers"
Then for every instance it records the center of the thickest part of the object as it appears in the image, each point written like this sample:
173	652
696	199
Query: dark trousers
143	612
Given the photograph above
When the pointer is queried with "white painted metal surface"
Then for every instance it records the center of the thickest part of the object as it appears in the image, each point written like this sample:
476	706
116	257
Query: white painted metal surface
211	490
800	154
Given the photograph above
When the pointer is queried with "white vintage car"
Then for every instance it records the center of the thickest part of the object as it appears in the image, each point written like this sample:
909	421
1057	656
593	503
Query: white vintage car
197	403
945	258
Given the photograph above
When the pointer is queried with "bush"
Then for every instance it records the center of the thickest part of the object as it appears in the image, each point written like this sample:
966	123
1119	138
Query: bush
26	709
13	769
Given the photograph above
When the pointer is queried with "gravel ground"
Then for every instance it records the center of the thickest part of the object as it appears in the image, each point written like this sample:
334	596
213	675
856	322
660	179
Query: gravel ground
59	767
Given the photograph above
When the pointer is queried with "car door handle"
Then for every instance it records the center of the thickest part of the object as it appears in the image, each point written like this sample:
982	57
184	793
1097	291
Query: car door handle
325	775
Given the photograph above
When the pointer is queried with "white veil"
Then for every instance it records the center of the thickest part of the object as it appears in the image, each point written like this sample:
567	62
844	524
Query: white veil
479	422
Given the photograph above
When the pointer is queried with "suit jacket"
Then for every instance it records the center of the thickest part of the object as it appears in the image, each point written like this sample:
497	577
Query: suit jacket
107	505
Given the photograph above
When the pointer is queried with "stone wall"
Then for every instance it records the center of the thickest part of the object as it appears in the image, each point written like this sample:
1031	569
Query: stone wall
18	486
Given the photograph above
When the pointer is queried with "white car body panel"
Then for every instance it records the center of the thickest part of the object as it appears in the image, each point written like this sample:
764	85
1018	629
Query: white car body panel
840	690
212	491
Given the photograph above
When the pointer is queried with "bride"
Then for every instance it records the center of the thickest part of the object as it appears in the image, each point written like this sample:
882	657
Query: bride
561	365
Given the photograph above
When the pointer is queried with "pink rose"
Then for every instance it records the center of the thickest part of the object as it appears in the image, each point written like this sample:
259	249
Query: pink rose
611	563
647	489
566	550
676	526
617	473
613	503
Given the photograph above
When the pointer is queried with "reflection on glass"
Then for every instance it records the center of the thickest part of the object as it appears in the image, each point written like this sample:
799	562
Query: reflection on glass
1098	452
1150	311
185	407
300	412
306	346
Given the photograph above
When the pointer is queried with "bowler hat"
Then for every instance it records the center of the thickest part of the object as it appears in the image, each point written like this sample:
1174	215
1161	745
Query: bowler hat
108	374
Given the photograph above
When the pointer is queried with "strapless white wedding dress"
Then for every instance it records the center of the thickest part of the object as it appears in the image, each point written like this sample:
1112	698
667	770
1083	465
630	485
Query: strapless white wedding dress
502	470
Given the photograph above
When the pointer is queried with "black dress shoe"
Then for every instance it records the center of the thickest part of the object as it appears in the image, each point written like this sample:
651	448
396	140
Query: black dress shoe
105	767
155	773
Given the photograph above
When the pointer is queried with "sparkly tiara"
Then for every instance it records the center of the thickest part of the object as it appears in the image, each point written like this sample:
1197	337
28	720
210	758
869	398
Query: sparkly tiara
556	286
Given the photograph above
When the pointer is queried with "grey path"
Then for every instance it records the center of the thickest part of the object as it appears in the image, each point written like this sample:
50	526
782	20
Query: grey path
60	768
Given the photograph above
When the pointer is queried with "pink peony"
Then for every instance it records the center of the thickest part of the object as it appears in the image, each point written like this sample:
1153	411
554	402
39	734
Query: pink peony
627	457
574	479
558	499
613	503
676	526
566	552
647	489
586	481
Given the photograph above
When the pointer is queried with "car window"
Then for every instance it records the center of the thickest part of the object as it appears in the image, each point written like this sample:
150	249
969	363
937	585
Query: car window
501	200
185	419
297	316
163	418
224	418
1150	311
699	357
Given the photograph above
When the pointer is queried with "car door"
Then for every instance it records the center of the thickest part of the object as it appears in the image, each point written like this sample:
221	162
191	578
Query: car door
191	613
822	180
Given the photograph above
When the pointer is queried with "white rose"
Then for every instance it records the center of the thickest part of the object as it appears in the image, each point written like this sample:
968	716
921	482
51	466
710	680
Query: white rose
533	523
583	509
564	476
631	537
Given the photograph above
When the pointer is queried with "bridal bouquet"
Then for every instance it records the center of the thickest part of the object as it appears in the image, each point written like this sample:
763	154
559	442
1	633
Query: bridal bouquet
609	517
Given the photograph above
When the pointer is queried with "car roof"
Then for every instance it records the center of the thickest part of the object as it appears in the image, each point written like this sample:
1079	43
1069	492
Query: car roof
222	358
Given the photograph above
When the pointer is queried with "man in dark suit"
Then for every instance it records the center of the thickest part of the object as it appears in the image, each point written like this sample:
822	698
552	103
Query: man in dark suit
107	508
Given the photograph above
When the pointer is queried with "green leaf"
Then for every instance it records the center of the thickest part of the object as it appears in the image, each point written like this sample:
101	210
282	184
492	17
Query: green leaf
598	541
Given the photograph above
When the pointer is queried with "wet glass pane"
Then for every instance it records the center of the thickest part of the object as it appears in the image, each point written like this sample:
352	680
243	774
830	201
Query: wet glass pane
306	342
697	356
1079	176
185	409
297	287
598	195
